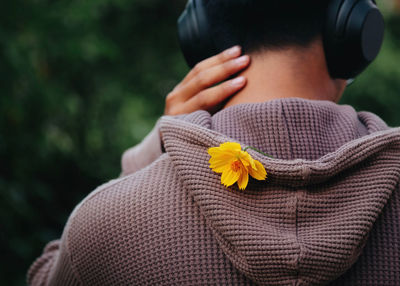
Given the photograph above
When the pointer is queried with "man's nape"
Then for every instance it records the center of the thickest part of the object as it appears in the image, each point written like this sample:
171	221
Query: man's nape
289	72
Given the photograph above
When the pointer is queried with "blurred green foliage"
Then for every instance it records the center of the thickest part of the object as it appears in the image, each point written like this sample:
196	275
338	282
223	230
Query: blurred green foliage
80	82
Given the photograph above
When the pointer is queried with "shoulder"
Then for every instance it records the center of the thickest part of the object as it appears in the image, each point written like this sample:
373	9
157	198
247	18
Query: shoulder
120	193
107	225
127	183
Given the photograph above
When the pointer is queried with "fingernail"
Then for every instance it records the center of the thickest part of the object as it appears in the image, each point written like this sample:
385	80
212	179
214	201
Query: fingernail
238	81
234	51
242	60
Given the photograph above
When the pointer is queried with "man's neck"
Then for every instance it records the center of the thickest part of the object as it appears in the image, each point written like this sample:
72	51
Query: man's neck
292	72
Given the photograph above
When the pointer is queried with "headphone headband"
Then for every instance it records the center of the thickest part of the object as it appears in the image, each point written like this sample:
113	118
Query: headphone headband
352	36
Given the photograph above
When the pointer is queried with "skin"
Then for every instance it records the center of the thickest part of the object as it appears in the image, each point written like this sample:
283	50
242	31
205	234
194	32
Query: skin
205	86
262	76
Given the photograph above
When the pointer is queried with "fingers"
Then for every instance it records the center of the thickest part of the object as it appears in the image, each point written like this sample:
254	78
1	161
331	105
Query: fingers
198	90
209	98
212	76
221	58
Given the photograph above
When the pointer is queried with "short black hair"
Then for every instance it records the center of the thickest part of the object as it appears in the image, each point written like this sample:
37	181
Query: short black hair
266	24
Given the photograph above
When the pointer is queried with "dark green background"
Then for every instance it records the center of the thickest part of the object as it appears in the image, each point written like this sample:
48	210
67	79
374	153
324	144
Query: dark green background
82	80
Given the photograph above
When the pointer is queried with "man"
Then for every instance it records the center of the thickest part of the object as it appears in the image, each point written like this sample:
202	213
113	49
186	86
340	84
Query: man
327	213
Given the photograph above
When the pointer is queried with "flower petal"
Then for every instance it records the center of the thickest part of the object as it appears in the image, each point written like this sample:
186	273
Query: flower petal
235	165
259	173
229	177
221	158
220	169
231	146
219	166
246	159
221	154
243	180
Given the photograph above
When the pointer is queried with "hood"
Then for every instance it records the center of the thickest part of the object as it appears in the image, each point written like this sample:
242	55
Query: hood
332	172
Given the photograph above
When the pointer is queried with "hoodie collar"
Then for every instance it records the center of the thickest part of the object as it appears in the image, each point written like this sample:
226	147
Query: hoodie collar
295	128
332	173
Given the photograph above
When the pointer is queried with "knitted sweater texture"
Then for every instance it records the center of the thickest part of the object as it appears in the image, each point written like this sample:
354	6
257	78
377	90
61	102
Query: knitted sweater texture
328	214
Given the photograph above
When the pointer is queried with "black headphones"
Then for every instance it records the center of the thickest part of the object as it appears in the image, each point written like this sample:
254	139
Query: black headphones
353	35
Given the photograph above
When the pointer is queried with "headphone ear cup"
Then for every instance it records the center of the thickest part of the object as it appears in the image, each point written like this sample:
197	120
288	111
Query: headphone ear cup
194	33
366	29
351	48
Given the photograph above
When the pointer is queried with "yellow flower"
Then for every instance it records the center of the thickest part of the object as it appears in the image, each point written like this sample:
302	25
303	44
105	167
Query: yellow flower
235	165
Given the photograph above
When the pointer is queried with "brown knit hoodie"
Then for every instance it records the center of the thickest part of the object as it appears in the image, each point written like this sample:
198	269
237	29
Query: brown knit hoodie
327	214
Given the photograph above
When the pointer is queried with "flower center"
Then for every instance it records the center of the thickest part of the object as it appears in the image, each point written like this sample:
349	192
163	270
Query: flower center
235	166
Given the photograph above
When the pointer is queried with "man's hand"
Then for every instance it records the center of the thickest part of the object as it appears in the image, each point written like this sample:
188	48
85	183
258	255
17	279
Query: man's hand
198	90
